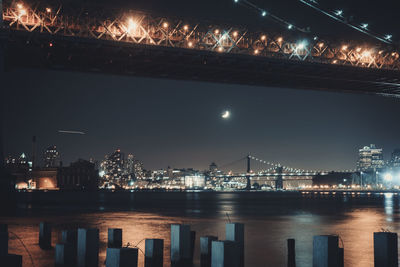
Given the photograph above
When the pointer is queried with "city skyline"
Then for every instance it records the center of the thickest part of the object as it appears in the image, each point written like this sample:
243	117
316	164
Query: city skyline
199	135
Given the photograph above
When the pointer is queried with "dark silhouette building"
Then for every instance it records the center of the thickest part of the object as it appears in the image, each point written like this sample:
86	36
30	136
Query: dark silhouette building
80	175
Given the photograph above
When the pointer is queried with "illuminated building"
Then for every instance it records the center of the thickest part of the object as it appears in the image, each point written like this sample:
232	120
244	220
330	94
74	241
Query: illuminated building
370	158
134	168
118	171
195	181
112	169
51	157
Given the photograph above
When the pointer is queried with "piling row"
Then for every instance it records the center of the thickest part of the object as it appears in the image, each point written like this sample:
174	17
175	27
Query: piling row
81	248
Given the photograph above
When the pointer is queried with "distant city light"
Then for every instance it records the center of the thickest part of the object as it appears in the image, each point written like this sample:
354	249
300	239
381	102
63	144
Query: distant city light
364	26
263	38
264	13
235	34
344	47
48	10
186	27
280	39
165	25
290	26
388	177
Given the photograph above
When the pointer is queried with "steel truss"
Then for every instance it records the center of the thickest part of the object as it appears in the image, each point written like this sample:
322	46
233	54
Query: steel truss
143	29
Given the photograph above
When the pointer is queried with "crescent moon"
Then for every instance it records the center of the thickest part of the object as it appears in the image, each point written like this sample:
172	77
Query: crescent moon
226	114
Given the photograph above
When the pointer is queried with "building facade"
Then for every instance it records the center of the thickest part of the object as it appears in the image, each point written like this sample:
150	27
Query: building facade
51	157
395	160
370	158
80	175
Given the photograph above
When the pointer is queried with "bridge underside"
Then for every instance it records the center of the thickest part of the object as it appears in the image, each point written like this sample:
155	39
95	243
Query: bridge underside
40	50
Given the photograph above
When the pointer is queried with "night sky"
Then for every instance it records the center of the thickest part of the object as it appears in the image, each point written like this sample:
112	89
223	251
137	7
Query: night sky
178	123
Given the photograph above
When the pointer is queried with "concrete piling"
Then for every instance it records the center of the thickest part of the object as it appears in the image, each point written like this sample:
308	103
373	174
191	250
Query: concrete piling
65	255
3	228
385	249
181	246
235	232
154	253
114	238
205	250
326	251
122	257
3	244
192	243
69	237
225	254
45	235
291	256
341	257
12	260
88	248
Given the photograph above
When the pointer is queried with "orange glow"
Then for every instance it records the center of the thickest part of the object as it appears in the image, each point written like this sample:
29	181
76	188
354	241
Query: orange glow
263	38
186	27
280	39
344	47
165	25
48	10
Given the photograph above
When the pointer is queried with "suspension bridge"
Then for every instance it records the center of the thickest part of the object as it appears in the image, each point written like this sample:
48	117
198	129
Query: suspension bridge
128	42
271	173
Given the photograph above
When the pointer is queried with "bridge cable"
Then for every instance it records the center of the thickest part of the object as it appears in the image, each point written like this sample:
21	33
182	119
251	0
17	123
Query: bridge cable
338	16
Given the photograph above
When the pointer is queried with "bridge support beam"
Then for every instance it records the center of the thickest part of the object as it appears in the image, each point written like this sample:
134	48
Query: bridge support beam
279	179
248	183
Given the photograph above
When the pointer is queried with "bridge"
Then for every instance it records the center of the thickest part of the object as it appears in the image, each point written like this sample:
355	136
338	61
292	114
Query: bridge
129	42
275	175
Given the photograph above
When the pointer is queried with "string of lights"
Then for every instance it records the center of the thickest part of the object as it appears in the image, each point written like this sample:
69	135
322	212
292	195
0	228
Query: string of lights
338	15
265	13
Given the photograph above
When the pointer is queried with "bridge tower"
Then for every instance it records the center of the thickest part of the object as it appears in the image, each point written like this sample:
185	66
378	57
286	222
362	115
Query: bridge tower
279	179
248	185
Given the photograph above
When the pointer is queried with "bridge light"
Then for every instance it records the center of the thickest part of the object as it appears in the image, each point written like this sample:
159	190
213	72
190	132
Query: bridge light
344	47
165	25
186	27
22	12
263	38
48	9
216	31
358	49
321	45
235	34
280	39
220	49
364	26
20	6
388	37
301	45
236	1
339	13
263	13
388	177
256	52
190	44
132	25
334	62
290	26
366	53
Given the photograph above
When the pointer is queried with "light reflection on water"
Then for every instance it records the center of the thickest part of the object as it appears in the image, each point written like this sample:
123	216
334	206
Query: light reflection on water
269	220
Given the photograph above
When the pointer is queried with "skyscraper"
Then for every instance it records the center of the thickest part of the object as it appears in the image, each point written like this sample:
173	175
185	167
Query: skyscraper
113	168
395	161
51	157
370	158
